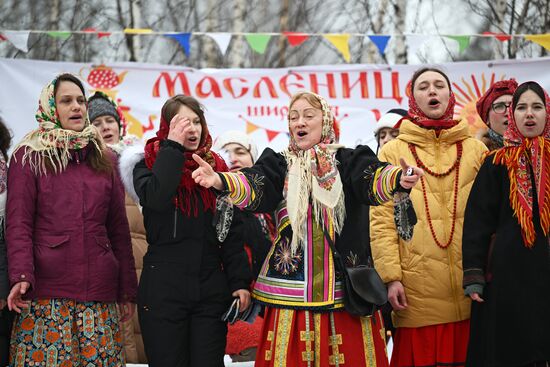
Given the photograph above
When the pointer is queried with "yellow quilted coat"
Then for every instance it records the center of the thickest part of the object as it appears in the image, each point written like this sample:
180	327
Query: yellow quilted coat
432	276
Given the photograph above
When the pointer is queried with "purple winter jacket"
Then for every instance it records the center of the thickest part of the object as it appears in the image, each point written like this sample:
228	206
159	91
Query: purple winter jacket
67	234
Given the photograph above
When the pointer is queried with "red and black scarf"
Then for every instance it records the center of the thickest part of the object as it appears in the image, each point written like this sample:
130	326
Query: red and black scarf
520	155
188	191
418	117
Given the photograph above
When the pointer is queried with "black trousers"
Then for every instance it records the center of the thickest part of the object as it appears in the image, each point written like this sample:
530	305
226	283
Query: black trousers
180	316
6	321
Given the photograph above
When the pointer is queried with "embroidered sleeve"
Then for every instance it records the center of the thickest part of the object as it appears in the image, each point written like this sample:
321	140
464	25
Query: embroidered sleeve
244	191
382	181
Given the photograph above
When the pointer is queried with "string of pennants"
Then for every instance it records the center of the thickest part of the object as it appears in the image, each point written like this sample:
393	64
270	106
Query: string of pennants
271	134
259	41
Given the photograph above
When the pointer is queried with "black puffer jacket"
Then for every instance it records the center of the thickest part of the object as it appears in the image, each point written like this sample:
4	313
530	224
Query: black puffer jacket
178	238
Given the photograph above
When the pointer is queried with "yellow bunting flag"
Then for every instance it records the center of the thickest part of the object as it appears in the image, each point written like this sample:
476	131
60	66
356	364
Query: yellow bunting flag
250	127
137	30
541	39
341	42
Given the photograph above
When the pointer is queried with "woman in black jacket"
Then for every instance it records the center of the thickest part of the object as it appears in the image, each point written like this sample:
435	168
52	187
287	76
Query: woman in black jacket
196	261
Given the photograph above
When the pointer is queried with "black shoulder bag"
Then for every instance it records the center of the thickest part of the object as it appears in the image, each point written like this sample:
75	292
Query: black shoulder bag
364	290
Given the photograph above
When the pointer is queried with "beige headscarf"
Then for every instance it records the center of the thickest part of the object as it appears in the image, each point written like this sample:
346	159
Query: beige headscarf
313	177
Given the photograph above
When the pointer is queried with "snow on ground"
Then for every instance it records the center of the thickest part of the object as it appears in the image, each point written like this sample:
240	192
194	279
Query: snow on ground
228	362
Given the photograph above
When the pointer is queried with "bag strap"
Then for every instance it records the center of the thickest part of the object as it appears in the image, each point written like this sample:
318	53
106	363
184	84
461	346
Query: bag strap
331	244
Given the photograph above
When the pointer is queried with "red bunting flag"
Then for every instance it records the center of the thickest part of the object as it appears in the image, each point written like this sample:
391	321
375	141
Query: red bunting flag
295	38
271	134
499	36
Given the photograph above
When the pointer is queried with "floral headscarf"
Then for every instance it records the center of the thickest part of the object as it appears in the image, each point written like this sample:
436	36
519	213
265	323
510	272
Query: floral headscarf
520	155
313	174
51	142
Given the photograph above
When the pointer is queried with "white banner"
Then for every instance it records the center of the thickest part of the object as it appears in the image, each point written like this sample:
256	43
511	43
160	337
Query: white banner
254	100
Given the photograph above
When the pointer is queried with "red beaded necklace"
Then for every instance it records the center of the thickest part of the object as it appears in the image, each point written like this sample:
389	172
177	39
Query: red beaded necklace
456	165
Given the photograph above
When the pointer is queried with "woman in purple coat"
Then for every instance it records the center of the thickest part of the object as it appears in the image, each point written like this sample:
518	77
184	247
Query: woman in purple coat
70	259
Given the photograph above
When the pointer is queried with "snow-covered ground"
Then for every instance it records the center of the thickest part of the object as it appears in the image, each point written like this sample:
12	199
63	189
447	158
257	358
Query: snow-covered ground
228	362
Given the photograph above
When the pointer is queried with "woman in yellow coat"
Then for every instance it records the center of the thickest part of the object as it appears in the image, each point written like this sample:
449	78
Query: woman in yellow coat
424	276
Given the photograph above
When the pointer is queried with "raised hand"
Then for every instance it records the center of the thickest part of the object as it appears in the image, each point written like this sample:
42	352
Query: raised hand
408	181
179	126
205	176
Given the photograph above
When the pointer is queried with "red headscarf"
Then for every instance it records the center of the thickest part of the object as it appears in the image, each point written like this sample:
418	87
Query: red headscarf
500	88
186	197
418	116
518	154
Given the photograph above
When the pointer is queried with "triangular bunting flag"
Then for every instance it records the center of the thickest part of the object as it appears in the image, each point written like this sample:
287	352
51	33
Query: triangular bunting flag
499	36
271	134
381	42
295	38
222	40
99	34
18	38
414	43
258	42
541	39
137	30
463	42
250	127
59	34
183	39
340	41
2	38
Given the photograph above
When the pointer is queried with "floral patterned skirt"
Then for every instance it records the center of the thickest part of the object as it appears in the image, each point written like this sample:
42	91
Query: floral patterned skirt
65	333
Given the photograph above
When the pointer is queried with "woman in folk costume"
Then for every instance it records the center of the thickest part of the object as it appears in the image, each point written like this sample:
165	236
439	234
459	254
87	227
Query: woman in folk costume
259	233
492	107
305	324
196	261
6	317
107	117
424	275
508	278
69	251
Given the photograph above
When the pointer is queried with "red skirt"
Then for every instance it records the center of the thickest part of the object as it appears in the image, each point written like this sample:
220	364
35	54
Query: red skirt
299	338
442	345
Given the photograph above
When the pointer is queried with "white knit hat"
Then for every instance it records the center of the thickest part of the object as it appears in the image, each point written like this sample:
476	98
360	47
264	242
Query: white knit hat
234	136
390	119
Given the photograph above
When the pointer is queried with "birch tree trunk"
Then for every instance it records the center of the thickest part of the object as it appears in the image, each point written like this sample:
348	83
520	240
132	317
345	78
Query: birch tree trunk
239	44
400	47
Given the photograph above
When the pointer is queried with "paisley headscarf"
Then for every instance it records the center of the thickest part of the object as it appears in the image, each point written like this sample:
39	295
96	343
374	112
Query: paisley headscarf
524	156
313	177
51	142
186	198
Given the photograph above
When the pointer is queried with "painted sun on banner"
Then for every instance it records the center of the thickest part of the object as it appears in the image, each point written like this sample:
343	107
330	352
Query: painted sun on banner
467	92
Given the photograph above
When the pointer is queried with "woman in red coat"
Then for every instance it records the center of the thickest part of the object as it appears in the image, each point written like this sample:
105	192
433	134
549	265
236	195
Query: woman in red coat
69	252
